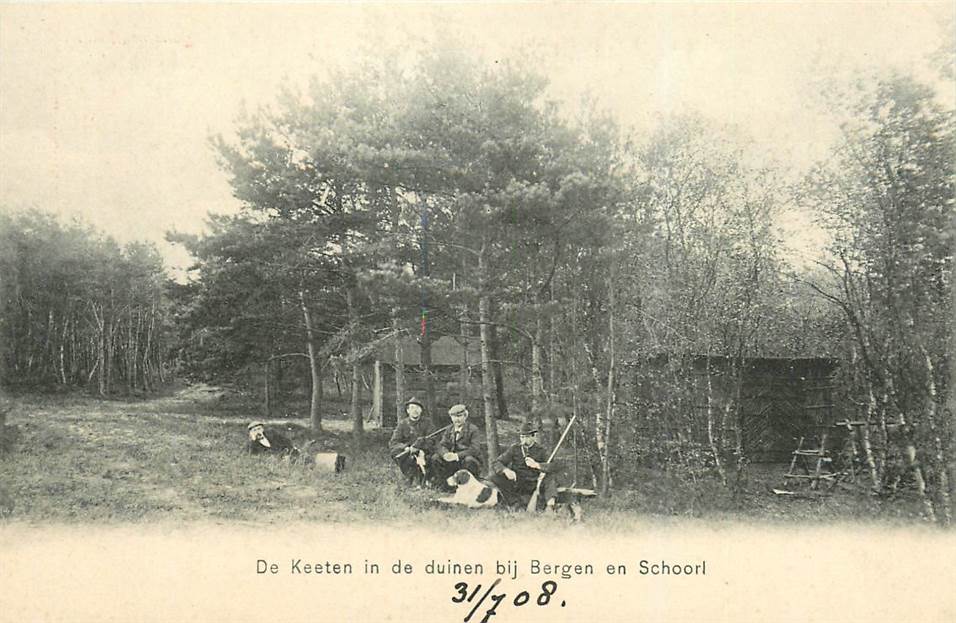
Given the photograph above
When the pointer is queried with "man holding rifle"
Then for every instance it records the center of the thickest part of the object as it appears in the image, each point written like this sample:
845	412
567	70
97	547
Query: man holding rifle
411	442
518	469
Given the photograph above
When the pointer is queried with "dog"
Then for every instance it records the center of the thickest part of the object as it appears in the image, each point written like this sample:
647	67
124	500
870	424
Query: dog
470	491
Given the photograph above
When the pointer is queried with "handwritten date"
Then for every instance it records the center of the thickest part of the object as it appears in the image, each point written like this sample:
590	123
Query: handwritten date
464	595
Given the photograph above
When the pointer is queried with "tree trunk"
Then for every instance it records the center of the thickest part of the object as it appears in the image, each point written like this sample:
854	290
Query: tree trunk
130	355
738	425
909	452
495	352
139	349
426	337
148	381
100	352
399	371
151	366
426	343
881	406
714	449
74	366
355	410
875	468
315	416
536	378
574	382
602	429
66	327
949	426
939	456
491	426
266	389
277	381
870	461
48	346
913	464
464	372
110	355
552	369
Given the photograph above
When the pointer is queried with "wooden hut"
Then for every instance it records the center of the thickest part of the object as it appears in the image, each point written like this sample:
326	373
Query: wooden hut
780	399
455	370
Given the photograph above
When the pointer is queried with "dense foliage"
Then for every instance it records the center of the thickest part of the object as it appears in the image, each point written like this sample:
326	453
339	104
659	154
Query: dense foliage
78	310
889	197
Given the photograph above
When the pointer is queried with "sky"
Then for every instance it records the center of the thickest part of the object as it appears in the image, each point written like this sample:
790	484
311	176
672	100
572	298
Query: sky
106	110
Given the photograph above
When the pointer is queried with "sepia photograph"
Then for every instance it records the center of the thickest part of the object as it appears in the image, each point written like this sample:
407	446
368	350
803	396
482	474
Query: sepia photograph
477	311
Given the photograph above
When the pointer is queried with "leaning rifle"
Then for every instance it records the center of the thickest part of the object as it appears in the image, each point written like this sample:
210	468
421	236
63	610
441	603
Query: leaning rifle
428	436
533	502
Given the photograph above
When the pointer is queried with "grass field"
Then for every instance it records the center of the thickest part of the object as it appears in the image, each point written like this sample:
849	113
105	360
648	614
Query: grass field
180	458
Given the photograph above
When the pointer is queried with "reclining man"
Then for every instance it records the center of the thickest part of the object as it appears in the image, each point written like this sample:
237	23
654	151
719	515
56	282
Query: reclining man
517	470
269	440
458	448
409	445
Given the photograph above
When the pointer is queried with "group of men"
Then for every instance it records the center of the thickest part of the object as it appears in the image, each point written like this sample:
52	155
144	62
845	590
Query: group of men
427	457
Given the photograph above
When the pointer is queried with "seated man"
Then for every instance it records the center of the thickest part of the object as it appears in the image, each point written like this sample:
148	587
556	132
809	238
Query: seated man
269	440
409	445
458	448
517	470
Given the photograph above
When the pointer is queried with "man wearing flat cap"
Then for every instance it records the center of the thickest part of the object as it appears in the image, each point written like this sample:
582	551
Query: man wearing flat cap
459	447
264	440
409	445
518	468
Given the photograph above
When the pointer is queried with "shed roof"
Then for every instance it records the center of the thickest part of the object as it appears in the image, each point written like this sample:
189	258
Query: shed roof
446	351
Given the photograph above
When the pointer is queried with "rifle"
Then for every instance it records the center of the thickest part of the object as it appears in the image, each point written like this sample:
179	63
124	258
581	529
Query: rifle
428	436
533	502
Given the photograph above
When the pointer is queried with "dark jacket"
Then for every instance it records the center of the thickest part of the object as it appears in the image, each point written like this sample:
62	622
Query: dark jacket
278	442
465	444
513	458
409	433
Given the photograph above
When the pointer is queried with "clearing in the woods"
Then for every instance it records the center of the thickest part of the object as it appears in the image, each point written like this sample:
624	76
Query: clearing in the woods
180	457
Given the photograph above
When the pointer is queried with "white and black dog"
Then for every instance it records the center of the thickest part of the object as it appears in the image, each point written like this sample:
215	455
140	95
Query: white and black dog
470	491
